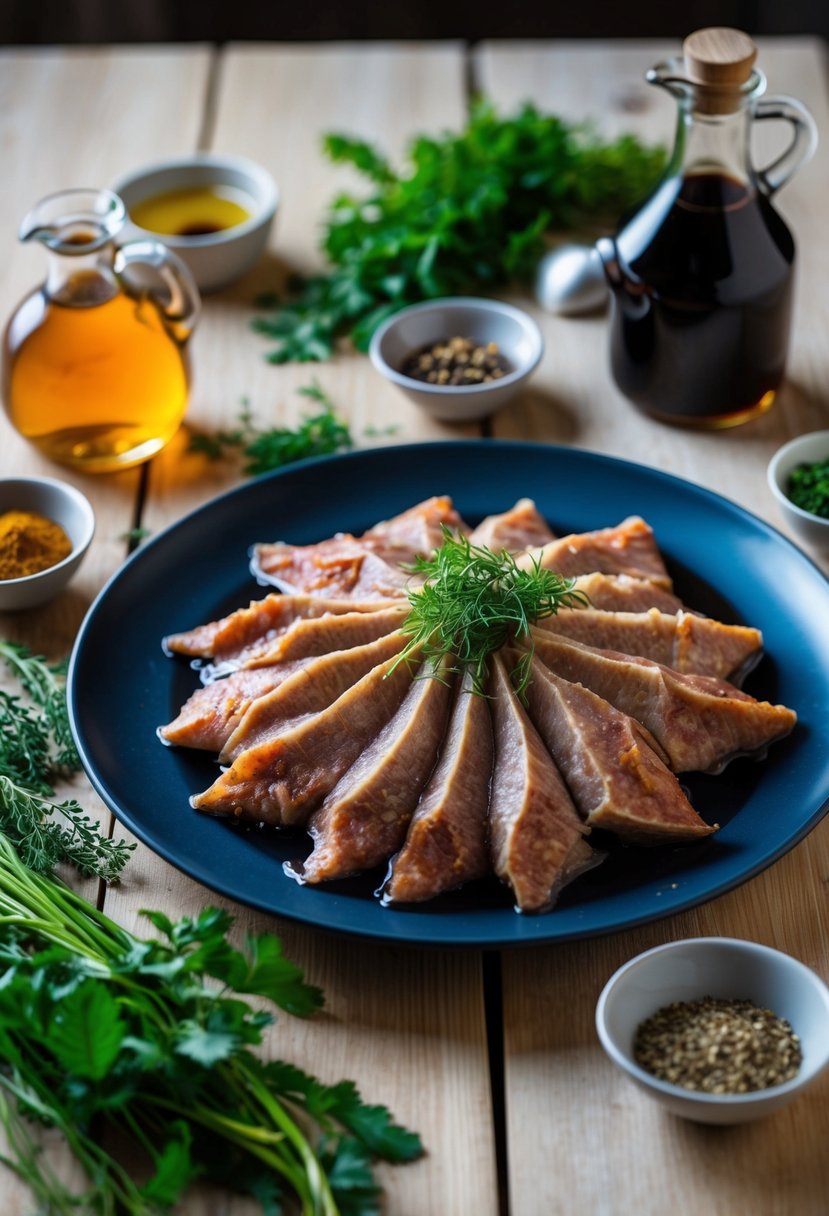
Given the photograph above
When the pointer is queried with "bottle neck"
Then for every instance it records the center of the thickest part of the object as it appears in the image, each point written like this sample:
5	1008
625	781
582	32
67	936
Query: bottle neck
711	144
81	280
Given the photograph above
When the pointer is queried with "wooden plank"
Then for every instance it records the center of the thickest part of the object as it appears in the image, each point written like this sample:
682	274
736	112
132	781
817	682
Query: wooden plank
573	399
407	1026
580	1136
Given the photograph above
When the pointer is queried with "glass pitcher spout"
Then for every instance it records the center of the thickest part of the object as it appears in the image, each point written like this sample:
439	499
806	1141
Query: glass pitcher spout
75	222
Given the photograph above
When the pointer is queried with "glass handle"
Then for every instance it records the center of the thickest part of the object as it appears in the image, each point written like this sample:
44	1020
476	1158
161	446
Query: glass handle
802	147
148	268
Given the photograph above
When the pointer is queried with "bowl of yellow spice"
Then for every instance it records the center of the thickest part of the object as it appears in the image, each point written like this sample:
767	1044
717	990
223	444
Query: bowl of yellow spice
717	1029
46	527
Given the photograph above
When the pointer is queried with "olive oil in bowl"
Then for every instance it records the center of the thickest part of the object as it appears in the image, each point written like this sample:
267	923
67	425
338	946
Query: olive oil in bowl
194	212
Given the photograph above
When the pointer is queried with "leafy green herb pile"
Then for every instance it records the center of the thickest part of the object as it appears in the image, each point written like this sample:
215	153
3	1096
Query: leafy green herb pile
809	488
468	212
475	601
36	747
102	1032
264	450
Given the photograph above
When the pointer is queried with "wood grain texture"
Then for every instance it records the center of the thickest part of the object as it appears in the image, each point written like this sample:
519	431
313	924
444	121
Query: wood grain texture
581	1138
408	1027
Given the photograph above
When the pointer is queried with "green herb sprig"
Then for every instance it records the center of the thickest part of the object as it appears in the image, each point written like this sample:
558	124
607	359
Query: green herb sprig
808	488
474	601
36	747
468	211
265	450
171	1065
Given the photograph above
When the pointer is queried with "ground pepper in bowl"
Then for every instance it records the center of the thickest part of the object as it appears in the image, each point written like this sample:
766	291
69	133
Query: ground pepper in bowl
456	363
30	543
718	1046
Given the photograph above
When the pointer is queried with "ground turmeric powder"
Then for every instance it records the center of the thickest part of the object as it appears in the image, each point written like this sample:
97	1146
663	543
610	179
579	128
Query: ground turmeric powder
30	543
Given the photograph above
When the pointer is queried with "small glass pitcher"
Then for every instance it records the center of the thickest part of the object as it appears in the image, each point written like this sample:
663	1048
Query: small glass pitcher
701	277
95	371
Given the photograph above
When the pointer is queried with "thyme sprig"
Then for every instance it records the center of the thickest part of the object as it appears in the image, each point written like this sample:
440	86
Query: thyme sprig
45	684
474	601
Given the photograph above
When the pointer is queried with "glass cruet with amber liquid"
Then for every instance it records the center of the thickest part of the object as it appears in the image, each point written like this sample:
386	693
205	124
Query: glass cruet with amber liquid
701	277
95	369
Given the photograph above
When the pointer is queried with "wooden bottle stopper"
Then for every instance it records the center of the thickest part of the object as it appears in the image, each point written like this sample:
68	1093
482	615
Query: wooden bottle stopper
720	61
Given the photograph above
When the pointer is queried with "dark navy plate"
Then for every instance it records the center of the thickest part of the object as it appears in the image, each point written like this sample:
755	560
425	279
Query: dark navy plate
725	562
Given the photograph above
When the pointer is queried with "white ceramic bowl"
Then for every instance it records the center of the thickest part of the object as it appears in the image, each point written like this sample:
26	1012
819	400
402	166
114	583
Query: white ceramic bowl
67	507
726	968
517	335
215	259
805	449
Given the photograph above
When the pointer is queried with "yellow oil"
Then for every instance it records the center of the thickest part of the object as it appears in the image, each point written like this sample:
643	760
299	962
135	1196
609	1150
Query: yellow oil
200	211
101	386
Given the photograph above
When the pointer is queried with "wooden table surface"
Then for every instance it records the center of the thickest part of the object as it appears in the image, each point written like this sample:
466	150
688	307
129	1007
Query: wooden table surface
493	1057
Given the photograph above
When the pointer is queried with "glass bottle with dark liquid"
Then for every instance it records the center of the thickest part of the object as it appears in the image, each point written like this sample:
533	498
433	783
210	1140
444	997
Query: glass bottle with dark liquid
702	275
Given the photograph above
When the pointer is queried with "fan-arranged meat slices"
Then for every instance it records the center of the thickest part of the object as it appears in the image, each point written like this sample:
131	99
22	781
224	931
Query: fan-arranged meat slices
364	818
683	641
315	685
624	593
700	722
520	528
629	548
283	780
446	842
369	566
612	770
536	835
323	634
255	627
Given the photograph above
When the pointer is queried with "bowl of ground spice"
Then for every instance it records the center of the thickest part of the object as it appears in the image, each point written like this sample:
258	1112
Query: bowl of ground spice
798	477
459	359
46	527
717	1029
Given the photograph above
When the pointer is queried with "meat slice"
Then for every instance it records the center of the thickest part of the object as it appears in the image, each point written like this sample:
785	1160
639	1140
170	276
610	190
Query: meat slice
325	634
364	818
210	714
700	722
629	548
283	780
522	527
315	684
257	625
340	567
446	842
416	532
608	760
683	641
624	593
536	836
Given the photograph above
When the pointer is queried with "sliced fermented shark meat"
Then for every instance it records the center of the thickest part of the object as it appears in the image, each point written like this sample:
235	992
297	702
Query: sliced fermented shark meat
260	623
210	714
522	527
536	835
286	778
415	532
629	548
624	593
340	567
324	634
612	771
364	818
314	685
700	722
683	641
446	842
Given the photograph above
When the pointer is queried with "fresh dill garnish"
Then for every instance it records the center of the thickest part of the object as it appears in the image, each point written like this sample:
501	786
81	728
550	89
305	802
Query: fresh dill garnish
474	601
316	435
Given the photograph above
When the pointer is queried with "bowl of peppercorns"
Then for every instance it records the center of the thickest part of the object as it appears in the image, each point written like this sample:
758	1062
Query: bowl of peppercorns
459	359
46	527
717	1029
799	479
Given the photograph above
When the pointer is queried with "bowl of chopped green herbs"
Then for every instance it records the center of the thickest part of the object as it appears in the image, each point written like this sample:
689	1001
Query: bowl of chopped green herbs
799	479
717	1029
460	358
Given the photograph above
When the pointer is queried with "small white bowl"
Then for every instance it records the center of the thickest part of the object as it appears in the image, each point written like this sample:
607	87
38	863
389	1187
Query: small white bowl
215	259
725	968
805	449
66	506
517	335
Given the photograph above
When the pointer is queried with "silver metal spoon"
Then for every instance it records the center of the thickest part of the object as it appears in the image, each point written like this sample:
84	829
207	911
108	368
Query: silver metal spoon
571	280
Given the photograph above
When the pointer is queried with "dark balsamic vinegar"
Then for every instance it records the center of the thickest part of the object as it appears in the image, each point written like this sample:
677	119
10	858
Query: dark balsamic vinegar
703	302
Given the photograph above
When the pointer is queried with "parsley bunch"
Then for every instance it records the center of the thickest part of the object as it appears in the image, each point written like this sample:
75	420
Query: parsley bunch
468	212
102	1031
